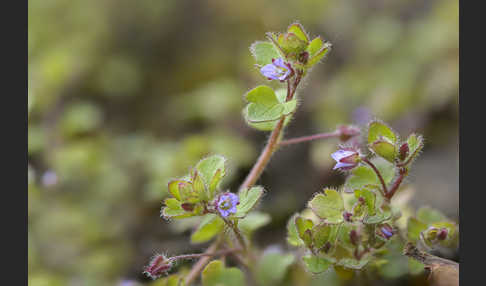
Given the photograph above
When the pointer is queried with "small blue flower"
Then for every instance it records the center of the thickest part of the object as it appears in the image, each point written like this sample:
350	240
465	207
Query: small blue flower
386	231
346	159
277	70
227	203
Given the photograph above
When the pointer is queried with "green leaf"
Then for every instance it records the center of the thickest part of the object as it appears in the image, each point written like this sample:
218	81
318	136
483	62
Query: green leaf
323	233
298	30
304	229
361	176
415	144
264	52
216	274
380	216
253	221
174	188
256	113
293	237
272	267
248	200
429	215
208	167
263	95
414	228
173	209
210	226
329	206
369	198
319	55
315	46
384	149
316	264
187	193
354	263
377	130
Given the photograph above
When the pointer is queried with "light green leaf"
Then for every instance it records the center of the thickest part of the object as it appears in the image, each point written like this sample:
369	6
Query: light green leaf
354	263
272	266
380	216
304	229
316	264
326	47
173	209
293	237
253	221
248	200
315	46
415	144
208	167
298	30
263	95
216	274
210	226
369	198
323	233
377	129
174	188
384	149
329	206
261	113
264	52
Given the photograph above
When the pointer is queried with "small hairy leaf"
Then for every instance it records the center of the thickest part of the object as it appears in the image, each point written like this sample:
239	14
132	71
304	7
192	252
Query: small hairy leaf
328	205
299	31
264	52
209	227
316	264
293	237
216	274
253	221
248	200
377	129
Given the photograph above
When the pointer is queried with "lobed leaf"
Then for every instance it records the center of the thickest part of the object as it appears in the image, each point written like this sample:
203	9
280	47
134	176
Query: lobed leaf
216	274
377	130
328	205
248	200
264	52
210	226
316	264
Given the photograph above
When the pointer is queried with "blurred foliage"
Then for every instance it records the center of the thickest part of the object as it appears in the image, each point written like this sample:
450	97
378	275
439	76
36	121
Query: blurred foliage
124	96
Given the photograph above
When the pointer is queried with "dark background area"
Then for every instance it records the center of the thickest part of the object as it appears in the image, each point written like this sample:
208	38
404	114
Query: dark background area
124	95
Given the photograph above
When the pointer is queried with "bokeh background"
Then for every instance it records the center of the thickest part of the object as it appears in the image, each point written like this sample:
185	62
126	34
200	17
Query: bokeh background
124	95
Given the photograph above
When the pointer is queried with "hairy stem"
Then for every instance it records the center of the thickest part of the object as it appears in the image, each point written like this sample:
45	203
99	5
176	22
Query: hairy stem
253	176
198	255
380	177
397	183
199	266
310	138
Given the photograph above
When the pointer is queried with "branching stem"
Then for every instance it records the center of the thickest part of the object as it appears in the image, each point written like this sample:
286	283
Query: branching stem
378	173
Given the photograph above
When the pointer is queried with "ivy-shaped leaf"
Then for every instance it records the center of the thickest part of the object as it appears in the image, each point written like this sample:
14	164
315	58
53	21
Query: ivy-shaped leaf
216	274
210	226
248	200
328	205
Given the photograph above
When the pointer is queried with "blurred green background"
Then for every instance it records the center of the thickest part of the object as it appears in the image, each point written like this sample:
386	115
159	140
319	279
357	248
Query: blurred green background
124	95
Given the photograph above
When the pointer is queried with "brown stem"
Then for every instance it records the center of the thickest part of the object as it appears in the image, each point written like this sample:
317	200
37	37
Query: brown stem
211	254
310	138
254	174
199	266
397	183
385	190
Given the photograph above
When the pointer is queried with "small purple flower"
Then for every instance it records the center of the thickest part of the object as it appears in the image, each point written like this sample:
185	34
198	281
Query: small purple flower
386	231
227	203
346	159
277	70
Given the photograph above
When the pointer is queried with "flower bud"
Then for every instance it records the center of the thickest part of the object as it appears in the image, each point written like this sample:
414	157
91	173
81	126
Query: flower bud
347	216
442	235
347	131
403	151
386	231
158	266
346	158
